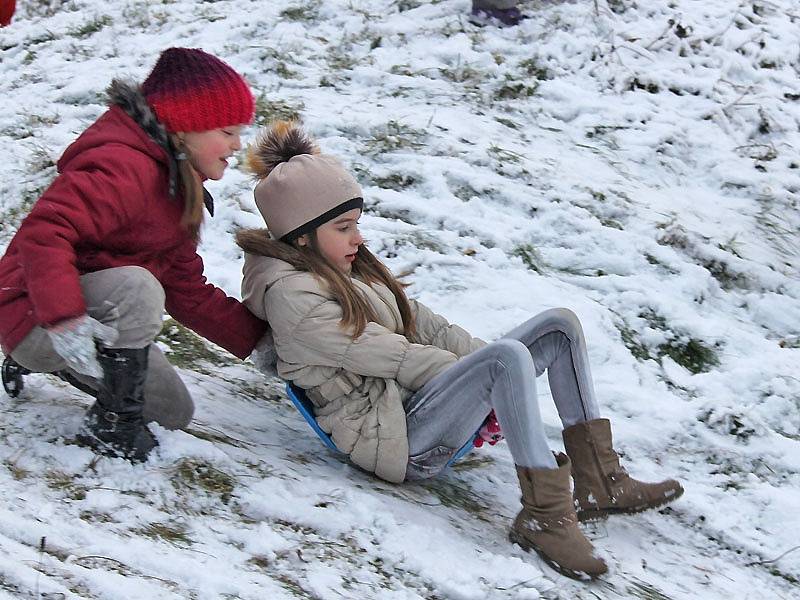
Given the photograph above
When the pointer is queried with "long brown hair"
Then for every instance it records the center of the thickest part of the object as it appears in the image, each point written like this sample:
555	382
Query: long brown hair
356	311
192	188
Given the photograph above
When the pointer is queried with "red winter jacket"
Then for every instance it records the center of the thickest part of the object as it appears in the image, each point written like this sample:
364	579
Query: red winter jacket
110	207
6	11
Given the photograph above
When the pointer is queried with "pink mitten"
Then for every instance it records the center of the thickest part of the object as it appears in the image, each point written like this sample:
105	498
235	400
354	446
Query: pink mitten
489	432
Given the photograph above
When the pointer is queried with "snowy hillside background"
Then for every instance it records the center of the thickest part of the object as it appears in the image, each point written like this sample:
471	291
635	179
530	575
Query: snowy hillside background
634	161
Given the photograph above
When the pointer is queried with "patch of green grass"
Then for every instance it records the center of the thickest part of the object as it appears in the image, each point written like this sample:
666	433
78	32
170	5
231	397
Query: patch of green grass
300	458
143	15
642	84
472	461
277	60
531	67
208	14
404	70
530	256
466	192
507	122
425	241
260	562
173	533
619	6
202	475
776	572
65	483
612	223
12	217
104	563
458	495
635	347
773	227
727	278
341	59
268	111
644	591
392	214
463	74
680	239
46	8
41	38
404	5
598	196
731	247
790	342
14	589
395	181
95	517
504	156
17	472
728	423
302	12
690	352
90	27
292	586
44	121
41	162
258	392
515	91
394	136
188	350
600	206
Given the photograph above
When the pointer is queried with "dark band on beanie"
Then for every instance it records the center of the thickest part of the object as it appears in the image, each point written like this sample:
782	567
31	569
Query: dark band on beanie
324	218
299	189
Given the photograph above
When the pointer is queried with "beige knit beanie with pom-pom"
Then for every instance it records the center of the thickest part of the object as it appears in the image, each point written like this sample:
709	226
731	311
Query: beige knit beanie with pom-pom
299	189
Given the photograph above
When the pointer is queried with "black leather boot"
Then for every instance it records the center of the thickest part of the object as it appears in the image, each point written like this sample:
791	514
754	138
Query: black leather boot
114	425
13	382
12	373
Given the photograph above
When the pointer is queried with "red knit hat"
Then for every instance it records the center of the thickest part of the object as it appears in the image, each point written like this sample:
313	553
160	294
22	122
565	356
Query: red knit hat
191	90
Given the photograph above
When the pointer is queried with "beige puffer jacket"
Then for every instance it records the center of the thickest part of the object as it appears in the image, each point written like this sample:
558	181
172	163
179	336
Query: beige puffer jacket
357	385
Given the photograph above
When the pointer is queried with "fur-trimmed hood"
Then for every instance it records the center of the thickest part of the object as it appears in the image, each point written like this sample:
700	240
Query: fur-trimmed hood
129	97
261	243
266	261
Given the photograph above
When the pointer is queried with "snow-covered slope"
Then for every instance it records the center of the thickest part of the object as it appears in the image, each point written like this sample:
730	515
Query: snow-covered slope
634	161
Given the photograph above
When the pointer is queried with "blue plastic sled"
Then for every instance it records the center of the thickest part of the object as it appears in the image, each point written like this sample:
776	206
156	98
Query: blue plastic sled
301	402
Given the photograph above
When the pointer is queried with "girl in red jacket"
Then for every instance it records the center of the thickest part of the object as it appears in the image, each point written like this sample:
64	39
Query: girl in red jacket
112	243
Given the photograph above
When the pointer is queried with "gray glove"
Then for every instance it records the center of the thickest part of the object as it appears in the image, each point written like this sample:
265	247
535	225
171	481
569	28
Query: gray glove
74	341
264	356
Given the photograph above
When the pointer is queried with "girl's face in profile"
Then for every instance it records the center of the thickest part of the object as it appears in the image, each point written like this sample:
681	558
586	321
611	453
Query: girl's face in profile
338	239
210	150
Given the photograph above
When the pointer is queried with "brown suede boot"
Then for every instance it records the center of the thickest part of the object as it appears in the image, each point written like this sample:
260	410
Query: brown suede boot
548	525
602	486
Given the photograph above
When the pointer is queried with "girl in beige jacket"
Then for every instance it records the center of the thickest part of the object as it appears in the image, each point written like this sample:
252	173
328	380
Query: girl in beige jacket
397	387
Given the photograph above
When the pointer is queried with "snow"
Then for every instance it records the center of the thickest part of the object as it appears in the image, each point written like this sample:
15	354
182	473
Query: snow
634	162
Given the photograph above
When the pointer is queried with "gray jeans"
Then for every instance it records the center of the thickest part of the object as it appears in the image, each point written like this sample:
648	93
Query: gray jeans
130	300
447	411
